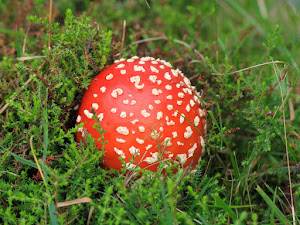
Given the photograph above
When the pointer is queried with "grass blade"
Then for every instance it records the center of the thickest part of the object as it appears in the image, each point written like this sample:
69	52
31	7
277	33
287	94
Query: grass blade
21	159
272	205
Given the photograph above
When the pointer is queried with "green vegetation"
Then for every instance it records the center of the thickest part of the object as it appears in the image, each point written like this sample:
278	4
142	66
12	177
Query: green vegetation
243	57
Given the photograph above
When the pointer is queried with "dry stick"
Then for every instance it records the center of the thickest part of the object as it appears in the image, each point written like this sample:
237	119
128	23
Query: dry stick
147	4
24	42
286	147
50	19
123	37
90	215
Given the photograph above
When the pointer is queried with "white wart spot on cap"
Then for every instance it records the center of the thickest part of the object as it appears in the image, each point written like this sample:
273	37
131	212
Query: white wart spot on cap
120	65
151	107
100	116
153	78
88	114
188	107
174	134
188	133
157	101
167	141
180	95
116	92
140	141
134	121
169	107
95	95
162	66
120	140
196	120
179	143
123	72
182	158
113	110
179	102
141	62
153	69
155	91
138	68
154	62
201	113
141	128
136	80
159	115
152	159
168	76
78	119
103	89
145	113
119	152
123	114
168	87
170	123
122	130
110	76
182	117
192	102
130	60
192	150
170	97
148	147
174	72
134	151
187	81
133	102
95	106
202	142
125	101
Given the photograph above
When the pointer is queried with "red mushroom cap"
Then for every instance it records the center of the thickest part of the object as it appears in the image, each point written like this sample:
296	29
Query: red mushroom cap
150	112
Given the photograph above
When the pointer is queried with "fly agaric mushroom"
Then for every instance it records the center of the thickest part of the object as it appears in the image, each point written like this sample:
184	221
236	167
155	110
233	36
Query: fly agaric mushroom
149	111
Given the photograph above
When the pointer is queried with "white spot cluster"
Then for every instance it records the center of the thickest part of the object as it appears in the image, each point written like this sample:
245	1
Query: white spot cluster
182	93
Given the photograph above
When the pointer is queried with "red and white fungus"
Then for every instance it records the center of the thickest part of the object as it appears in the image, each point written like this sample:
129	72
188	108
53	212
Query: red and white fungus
149	111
